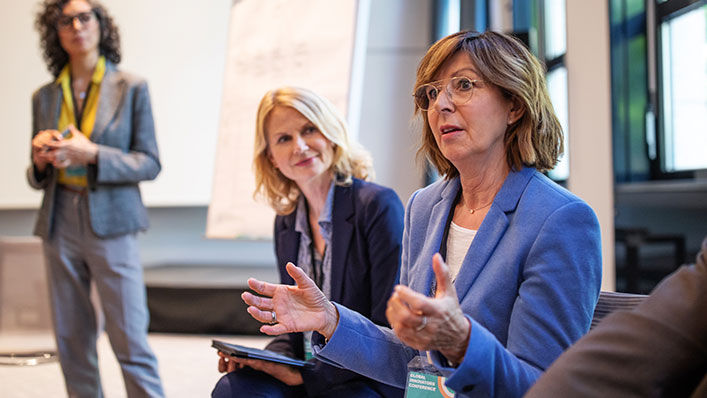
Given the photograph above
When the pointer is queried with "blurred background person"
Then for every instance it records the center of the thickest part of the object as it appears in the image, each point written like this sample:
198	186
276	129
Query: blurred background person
92	209
343	231
520	270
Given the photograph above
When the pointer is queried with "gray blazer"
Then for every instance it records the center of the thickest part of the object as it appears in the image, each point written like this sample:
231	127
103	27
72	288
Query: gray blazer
127	154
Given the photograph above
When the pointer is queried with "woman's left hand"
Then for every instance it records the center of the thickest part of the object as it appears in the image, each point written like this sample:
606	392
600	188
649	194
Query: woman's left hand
426	323
286	308
77	150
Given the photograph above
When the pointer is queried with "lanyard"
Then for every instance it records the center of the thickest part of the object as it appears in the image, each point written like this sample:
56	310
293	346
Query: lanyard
78	113
445	236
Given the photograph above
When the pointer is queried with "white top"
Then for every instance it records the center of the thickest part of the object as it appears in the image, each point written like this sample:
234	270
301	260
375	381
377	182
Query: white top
458	243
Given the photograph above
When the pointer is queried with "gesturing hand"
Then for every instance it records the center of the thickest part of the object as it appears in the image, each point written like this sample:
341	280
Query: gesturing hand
298	308
427	323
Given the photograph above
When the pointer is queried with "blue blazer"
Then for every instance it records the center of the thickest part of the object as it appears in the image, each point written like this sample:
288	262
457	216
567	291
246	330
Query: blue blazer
366	242
127	154
528	285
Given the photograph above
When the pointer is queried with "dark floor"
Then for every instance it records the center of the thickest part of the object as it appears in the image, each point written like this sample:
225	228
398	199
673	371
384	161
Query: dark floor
189	275
202	299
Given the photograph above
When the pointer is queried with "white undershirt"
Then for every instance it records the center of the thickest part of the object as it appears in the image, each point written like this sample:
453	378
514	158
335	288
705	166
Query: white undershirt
458	243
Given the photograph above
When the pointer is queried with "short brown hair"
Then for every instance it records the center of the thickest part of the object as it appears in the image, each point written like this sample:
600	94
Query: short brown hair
350	159
533	140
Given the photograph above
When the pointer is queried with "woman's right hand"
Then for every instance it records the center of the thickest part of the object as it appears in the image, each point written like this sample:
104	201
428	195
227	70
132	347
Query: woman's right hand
41	154
298	308
284	373
228	364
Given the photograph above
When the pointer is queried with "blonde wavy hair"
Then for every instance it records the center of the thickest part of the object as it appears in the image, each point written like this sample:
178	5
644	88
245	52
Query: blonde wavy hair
535	139
350	159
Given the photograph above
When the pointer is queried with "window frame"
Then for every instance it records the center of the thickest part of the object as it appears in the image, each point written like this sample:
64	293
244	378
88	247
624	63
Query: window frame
665	11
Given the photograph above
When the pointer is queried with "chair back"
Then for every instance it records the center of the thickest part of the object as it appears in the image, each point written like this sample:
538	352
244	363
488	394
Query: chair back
612	301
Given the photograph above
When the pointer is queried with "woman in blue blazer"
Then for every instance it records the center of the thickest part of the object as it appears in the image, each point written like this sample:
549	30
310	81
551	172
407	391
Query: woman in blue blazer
92	210
344	232
520	266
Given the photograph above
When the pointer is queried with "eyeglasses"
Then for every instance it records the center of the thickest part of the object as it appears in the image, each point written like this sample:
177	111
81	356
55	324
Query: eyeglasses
459	90
66	21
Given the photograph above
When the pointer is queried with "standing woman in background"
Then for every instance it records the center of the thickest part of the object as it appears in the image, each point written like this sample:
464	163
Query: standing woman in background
343	231
92	209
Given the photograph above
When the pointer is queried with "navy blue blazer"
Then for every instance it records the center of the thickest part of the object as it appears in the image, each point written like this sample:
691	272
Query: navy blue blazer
366	242
528	285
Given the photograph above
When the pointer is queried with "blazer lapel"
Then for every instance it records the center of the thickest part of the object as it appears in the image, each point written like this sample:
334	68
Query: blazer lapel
112	93
435	231
288	245
49	120
492	229
342	229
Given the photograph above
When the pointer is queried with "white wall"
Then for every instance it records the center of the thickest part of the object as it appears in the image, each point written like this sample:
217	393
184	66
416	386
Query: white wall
589	81
183	62
21	72
398	37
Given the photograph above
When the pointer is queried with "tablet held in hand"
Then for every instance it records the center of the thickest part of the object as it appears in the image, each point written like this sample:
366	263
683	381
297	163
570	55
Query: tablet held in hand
255	353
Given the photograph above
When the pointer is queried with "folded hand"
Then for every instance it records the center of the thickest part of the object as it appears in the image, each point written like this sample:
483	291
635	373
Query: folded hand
76	150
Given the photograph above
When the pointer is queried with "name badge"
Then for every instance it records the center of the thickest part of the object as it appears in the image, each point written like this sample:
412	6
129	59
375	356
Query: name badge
425	381
308	346
424	385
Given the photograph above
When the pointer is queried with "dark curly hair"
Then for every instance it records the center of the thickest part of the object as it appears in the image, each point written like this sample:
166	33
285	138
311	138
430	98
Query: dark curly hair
54	54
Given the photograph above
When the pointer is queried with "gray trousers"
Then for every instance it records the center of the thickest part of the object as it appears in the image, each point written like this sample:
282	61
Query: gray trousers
76	256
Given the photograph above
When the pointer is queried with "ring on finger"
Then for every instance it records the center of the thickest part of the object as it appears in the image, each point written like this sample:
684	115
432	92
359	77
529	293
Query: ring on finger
273	319
422	324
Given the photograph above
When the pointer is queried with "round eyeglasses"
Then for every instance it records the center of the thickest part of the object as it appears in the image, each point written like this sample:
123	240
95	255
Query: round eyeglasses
67	21
459	90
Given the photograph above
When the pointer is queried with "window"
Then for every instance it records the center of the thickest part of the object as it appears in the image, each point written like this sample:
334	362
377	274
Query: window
659	88
630	109
541	25
683	87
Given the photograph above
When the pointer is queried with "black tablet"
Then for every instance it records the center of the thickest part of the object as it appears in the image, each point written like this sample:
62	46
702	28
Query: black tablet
240	351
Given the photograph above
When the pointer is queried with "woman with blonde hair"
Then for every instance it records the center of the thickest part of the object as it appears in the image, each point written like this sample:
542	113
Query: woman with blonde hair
344	232
501	267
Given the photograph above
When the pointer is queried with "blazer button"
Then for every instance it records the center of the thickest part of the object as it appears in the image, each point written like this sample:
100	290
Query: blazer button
468	388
